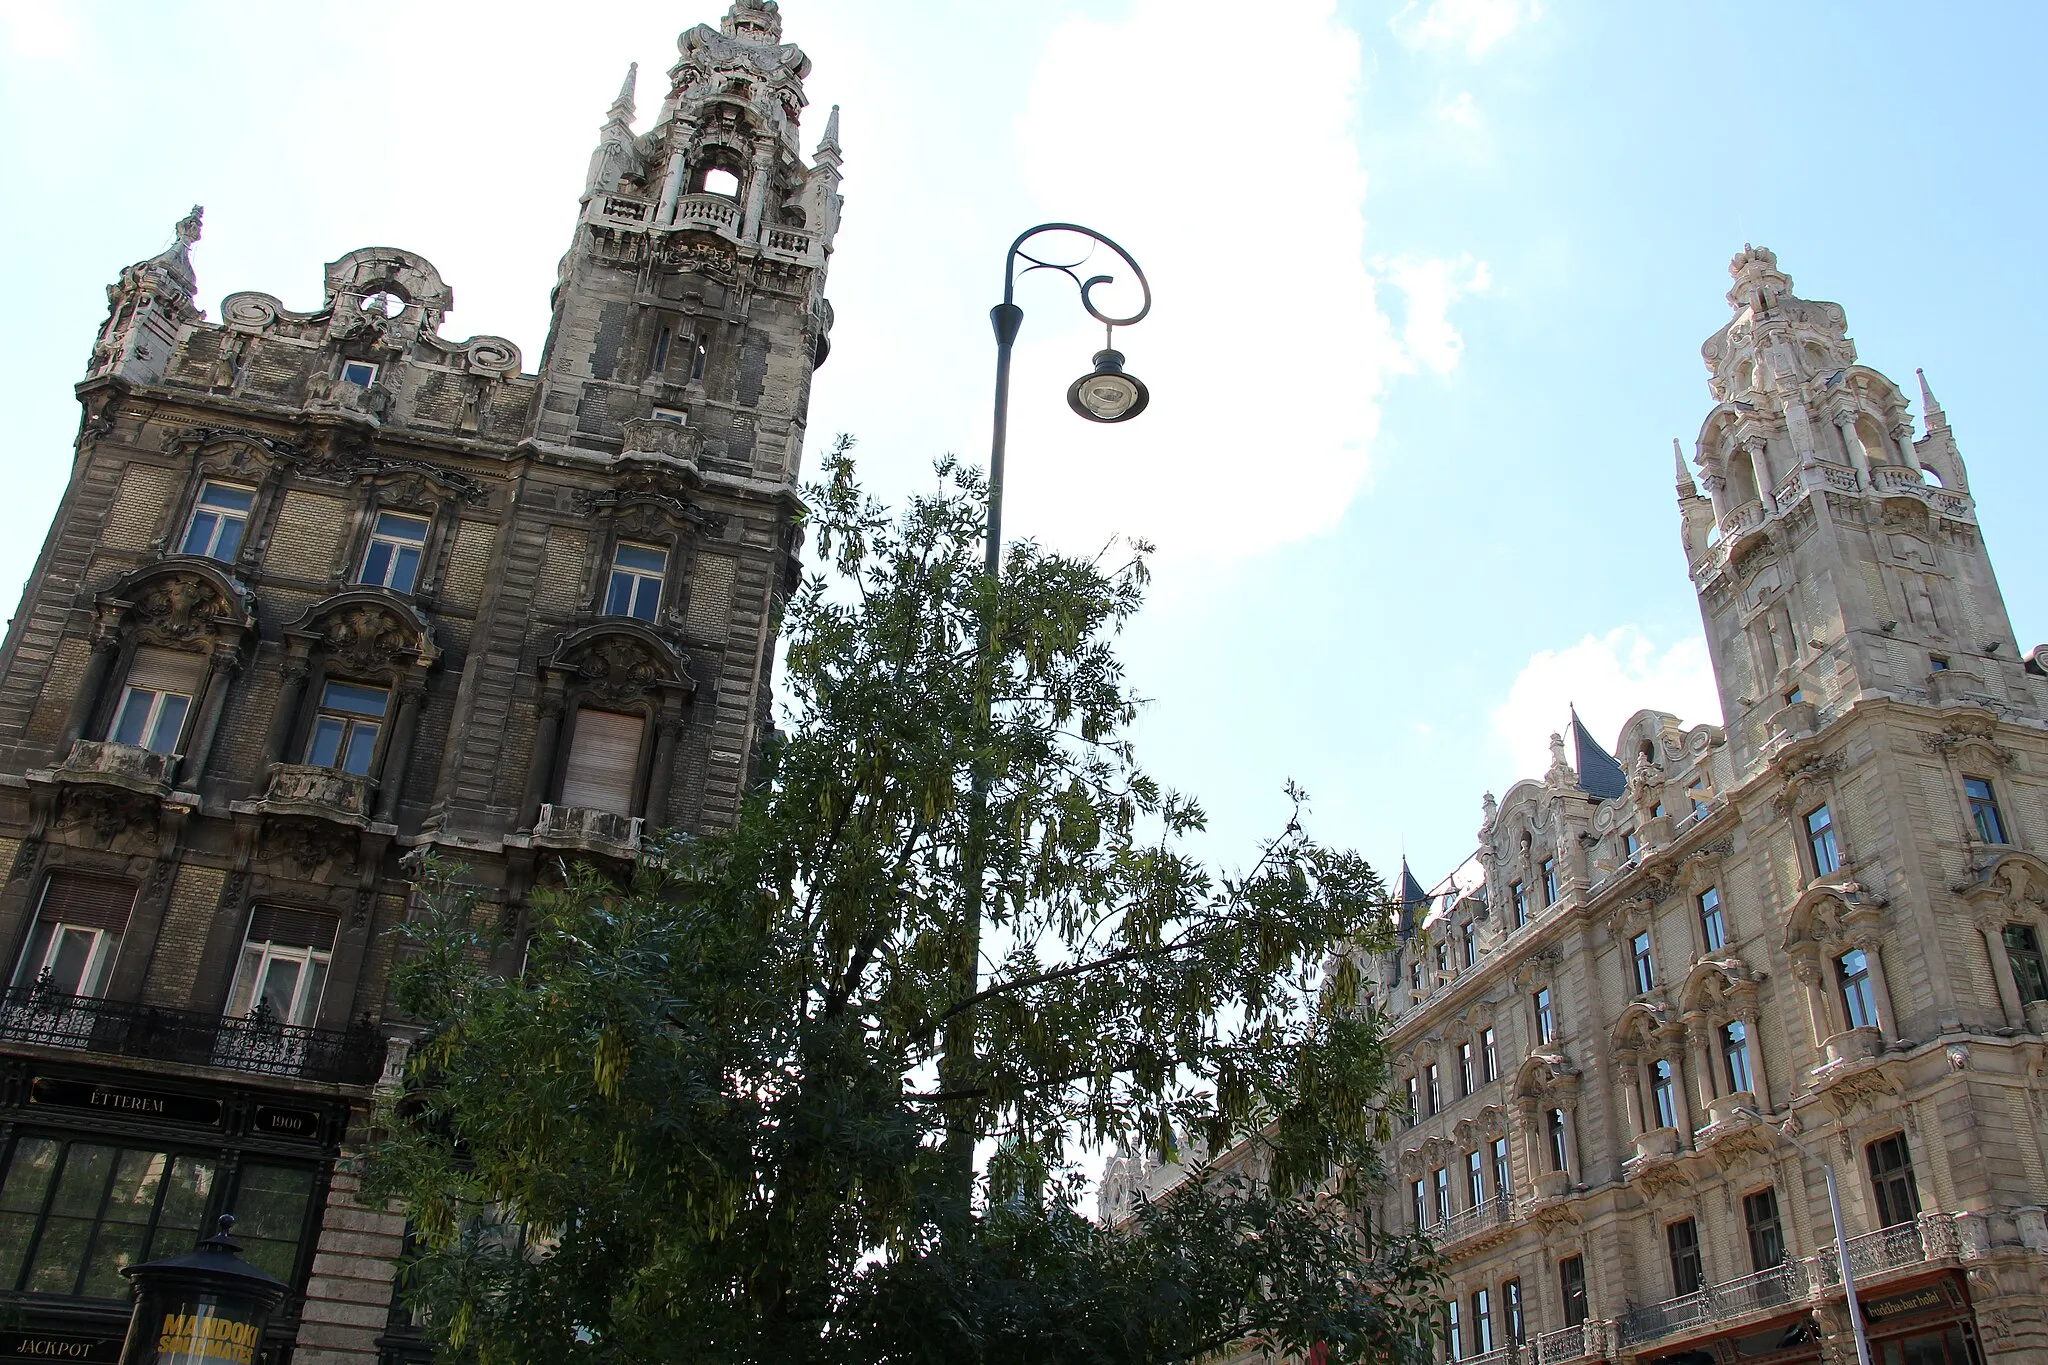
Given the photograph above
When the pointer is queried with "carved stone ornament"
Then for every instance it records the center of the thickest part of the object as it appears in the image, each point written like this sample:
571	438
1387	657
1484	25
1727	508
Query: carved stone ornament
366	632
646	492
190	440
1970	734
620	663
111	817
181	607
313	849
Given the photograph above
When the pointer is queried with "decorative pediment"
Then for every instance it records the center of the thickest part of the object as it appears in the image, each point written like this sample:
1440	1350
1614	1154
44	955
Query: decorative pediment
1832	914
1971	736
181	602
1719	989
2013	887
369	631
1546	1077
1808	776
621	661
241	448
1646	1028
644	501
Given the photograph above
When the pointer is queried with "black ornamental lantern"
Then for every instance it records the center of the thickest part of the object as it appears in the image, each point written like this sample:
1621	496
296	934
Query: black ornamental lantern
207	1307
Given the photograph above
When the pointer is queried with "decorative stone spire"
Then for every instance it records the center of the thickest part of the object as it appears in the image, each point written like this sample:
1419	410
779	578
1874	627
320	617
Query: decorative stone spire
1686	487
147	309
617	154
1930	410
1759	284
828	153
622	107
753	21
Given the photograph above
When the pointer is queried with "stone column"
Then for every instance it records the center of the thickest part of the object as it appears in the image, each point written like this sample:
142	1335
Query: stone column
1760	468
213	701
679	134
1631	1075
291	694
391	781
757	188
668	726
1818	1019
1852	445
1902	436
1753	1039
86	700
1993	929
1700	1036
541	768
1680	1101
1532	1139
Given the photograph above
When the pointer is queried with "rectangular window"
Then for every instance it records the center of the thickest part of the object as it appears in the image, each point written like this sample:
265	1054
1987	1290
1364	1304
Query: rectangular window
1936	664
604	761
74	941
1482	1321
1443	961
73	1214
1713	929
346	728
283	968
1475	1179
1794	697
1520	897
1503	1178
672	416
1984	816
1571	1284
635	588
1414	1099
1436	1089
1440	1194
1683	1240
1735	1053
1692	794
1549	881
1415	976
1641	969
360	373
1511	1311
1891	1178
1489	1055
157	698
1418	1204
1820	841
2029	973
1467	1079
1546	1022
1663	1093
1859	1000
1454	1335
218	520
1630	845
660	350
393	559
1471	936
1766	1236
270	1217
1553	1123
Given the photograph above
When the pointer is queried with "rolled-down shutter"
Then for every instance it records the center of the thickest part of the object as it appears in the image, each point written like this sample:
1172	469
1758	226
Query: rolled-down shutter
291	928
167	670
88	902
604	758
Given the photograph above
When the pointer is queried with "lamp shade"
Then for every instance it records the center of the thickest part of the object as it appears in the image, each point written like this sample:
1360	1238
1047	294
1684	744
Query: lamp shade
1108	394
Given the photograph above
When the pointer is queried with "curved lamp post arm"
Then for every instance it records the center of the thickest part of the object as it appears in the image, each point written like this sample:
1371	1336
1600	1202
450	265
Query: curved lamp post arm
1827	1168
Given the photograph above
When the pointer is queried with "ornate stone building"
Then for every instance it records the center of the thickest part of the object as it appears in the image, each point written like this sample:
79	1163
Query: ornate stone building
1666	989
328	590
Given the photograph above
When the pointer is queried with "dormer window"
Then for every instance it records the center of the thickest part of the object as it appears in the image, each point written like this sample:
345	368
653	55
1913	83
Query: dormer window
360	373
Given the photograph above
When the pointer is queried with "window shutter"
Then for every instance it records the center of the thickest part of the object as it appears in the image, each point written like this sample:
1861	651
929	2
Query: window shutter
167	670
88	902
292	928
604	758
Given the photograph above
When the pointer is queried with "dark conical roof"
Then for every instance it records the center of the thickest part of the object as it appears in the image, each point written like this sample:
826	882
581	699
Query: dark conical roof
1412	898
1600	776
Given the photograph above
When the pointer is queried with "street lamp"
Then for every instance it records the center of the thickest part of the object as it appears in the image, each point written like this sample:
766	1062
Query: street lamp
1106	394
1841	1241
207	1307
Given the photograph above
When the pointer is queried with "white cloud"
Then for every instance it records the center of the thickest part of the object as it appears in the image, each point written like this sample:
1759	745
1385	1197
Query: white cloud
1474	25
1267	348
1460	110
1609	678
1429	286
38	30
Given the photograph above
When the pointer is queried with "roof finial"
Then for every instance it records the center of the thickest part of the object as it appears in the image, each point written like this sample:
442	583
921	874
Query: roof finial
1930	411
622	107
1686	487
828	145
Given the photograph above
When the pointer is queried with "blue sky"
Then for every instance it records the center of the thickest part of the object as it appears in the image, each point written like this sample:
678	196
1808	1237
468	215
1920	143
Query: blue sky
1432	281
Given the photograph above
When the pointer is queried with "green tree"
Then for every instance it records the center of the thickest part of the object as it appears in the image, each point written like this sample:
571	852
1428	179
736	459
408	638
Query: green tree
703	1121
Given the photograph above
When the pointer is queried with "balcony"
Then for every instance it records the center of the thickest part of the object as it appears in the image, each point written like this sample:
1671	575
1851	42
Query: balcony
1469	1222
255	1045
329	793
588	831
1875	1253
667	440
711	212
1895	480
1762	1293
1566	1343
118	765
789	242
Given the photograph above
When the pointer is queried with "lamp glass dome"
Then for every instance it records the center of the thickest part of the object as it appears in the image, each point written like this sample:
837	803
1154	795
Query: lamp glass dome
1108	394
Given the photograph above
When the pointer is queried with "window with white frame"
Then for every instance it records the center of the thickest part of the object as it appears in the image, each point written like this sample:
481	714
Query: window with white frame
346	727
1663	1093
360	373
635	586
220	516
1642	969
1489	1055
1713	927
1735	1055
1820	841
1859	997
76	937
156	699
283	970
392	559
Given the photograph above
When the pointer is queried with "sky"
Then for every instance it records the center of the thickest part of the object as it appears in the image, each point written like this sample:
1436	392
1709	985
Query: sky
1431	277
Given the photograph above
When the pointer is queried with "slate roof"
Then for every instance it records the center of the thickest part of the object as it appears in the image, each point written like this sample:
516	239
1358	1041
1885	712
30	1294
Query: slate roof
1600	776
1412	898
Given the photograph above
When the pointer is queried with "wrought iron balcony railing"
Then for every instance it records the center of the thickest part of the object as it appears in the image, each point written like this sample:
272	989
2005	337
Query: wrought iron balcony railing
257	1044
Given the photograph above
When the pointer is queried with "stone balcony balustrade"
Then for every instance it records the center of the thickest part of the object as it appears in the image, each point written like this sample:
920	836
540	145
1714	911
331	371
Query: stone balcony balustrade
328	793
588	831
647	436
1892	480
118	765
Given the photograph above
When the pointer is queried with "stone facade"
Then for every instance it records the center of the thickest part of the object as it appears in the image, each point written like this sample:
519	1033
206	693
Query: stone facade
1666	989
328	591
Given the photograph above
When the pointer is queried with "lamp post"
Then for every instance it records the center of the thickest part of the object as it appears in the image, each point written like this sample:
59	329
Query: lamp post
1106	394
1841	1240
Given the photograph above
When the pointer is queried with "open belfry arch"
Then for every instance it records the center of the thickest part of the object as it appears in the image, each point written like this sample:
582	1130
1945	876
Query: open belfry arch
329	590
